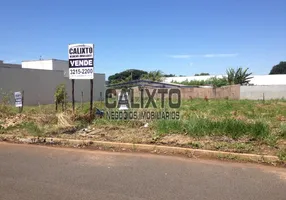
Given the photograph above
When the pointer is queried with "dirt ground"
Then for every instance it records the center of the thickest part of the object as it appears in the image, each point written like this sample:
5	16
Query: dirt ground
145	135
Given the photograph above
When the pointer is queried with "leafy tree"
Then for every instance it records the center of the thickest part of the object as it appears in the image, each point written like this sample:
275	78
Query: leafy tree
127	75
279	69
169	75
230	75
238	76
202	74
61	96
153	76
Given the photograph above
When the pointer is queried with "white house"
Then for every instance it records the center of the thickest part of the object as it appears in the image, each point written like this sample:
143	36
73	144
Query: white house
51	64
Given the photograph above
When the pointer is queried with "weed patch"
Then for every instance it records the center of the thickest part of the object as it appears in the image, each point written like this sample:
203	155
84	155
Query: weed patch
196	145
199	127
283	130
282	155
32	128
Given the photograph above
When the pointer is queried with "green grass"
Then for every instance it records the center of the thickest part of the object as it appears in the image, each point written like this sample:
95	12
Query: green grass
199	127
31	127
283	130
232	118
238	147
259	120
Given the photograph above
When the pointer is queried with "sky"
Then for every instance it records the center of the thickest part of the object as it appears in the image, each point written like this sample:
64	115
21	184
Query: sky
181	37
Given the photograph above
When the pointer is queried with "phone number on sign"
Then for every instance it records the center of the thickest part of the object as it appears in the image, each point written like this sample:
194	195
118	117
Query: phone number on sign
81	71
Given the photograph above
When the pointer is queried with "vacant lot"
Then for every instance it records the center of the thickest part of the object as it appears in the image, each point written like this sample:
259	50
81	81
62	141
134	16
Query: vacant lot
228	125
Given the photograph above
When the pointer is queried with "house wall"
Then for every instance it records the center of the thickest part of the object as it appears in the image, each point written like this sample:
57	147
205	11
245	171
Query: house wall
230	92
235	92
274	79
257	92
38	64
39	85
62	65
9	65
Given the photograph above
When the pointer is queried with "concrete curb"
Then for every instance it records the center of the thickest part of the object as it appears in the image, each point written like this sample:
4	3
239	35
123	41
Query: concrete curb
157	149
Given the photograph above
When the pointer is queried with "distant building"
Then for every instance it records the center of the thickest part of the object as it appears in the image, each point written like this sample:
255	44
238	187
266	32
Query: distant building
51	64
275	79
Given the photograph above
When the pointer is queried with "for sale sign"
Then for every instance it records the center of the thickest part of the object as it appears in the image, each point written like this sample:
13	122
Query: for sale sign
18	99
81	58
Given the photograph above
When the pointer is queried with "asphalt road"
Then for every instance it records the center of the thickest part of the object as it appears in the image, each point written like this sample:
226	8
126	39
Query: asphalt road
42	173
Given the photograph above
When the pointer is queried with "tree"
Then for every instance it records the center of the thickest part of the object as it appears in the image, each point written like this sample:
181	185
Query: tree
279	69
61	96
202	74
230	75
169	75
153	76
127	75
239	76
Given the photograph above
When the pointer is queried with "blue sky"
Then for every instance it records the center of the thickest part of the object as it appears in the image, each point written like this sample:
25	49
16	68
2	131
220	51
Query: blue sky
182	37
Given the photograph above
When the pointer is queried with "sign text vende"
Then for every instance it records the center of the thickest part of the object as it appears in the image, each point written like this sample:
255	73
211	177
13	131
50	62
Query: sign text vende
81	63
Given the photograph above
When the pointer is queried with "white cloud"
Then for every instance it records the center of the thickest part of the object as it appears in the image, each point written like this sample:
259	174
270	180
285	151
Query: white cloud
185	56
180	56
220	55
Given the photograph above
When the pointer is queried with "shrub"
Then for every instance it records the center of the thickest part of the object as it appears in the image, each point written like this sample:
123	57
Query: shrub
61	95
216	82
5	103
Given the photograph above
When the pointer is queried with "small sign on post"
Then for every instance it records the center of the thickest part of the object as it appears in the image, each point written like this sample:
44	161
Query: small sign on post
18	100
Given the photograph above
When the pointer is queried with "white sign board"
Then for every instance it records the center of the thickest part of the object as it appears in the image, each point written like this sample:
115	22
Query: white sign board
81	58
18	99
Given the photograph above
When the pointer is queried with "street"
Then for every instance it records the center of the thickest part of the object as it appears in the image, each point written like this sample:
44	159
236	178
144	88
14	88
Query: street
29	172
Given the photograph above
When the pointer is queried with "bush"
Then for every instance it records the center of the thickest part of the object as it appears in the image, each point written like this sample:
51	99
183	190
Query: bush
216	82
5	103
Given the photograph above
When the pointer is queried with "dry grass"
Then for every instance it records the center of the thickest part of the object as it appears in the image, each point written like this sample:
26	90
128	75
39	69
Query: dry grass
227	125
